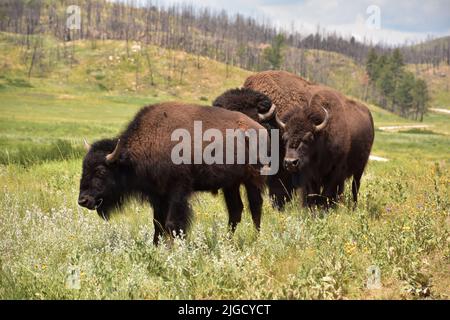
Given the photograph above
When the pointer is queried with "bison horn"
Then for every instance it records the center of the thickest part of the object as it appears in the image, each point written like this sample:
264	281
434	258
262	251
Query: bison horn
324	122
280	123
268	115
87	146
113	156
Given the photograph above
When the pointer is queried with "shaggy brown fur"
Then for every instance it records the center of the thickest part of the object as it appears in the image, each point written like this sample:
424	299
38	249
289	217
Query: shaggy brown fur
285	89
290	93
325	159
260	90
144	168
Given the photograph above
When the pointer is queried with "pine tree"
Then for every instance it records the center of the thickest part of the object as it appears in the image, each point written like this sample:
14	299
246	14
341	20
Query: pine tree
396	60
372	64
404	93
397	64
385	83
273	54
420	98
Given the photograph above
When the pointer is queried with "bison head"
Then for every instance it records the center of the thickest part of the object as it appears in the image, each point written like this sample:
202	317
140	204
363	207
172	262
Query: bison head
101	182
254	104
300	132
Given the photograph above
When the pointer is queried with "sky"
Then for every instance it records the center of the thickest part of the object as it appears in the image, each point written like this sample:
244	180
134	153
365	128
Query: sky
389	21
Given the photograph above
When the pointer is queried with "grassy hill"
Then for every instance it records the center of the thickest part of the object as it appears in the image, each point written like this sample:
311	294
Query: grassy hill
438	81
332	69
108	68
401	224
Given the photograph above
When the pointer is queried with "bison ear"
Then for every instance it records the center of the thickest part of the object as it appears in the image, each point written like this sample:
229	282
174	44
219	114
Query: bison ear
264	104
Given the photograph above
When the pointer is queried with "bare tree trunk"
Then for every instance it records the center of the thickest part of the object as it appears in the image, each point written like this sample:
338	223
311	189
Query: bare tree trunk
33	59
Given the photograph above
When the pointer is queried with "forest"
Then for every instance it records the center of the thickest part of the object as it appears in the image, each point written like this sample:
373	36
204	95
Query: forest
230	38
394	88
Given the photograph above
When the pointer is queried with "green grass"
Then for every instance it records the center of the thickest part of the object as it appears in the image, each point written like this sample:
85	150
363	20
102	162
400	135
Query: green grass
400	225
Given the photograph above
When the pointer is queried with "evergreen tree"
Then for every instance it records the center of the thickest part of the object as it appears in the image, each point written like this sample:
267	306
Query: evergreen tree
404	93
372	64
273	54
396	60
397	64
420	98
385	83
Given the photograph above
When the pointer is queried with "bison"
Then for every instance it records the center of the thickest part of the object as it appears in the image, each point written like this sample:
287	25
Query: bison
261	95
327	143
138	163
269	93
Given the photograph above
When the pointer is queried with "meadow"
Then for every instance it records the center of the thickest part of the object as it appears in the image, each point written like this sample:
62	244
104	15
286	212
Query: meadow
399	227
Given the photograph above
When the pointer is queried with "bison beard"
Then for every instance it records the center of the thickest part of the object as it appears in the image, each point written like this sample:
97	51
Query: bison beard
138	164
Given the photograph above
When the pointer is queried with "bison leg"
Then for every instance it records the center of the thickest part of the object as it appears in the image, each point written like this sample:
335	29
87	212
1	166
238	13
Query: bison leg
179	214
160	208
341	188
355	186
255	202
280	189
331	192
234	206
311	195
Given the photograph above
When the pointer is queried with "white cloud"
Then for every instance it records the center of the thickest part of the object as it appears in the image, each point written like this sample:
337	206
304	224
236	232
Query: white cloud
401	20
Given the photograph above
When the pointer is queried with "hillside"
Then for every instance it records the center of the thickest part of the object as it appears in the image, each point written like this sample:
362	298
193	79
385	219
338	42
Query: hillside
112	66
438	81
106	67
92	89
89	89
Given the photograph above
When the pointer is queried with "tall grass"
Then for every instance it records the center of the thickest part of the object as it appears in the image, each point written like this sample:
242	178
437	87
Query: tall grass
400	226
29	153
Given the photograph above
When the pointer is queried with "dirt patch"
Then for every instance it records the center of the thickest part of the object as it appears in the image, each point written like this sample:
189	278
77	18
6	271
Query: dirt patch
377	158
440	110
405	127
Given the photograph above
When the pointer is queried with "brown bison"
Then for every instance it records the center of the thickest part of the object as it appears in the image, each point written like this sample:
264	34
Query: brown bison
262	94
281	93
326	143
139	163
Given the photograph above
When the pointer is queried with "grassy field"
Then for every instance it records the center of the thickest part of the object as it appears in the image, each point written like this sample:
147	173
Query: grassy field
401	224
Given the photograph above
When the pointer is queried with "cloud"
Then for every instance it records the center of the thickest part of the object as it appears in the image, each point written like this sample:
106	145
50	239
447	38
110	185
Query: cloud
401	20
